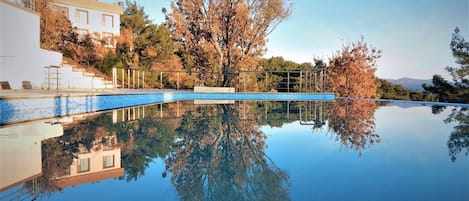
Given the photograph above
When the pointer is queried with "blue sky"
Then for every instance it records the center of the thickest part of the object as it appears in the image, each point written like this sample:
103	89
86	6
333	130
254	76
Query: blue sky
414	35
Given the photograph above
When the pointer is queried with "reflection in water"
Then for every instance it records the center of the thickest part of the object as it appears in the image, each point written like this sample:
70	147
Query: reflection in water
218	156
86	152
20	155
353	123
459	139
143	141
214	152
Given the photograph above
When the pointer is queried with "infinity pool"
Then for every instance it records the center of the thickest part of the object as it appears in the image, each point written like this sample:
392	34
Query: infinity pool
242	150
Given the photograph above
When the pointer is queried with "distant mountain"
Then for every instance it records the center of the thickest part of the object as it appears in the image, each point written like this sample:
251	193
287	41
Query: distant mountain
410	83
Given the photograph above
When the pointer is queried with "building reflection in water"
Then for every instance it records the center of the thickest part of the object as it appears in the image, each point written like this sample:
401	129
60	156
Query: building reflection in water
100	162
37	157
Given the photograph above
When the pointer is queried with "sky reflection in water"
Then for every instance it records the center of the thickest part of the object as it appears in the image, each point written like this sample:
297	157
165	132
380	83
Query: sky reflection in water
261	151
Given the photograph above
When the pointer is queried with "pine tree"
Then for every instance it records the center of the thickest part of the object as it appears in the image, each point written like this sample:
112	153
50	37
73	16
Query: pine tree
458	91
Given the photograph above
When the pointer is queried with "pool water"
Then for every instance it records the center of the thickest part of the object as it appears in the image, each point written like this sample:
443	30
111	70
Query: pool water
247	150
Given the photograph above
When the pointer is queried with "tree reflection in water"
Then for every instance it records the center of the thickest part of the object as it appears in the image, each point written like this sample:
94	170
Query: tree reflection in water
219	156
459	139
353	123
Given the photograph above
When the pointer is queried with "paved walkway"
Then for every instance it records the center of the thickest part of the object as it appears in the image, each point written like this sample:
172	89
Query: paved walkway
35	93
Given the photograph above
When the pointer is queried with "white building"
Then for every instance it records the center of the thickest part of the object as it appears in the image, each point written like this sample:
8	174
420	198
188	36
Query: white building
23	61
92	16
21	58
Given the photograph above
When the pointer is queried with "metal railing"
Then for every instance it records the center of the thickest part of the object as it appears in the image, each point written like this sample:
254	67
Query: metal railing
52	78
304	81
21	192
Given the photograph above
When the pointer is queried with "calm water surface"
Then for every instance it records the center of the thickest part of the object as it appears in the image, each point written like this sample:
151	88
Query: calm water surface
341	150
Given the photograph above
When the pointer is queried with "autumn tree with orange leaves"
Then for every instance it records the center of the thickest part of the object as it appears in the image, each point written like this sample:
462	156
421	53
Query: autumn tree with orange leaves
219	38
55	28
352	71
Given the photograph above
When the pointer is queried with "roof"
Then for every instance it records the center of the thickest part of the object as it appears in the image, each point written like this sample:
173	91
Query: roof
93	4
90	178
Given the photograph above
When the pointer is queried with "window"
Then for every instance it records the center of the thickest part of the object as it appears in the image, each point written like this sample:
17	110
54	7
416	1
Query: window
81	16
108	21
63	10
108	161
83	165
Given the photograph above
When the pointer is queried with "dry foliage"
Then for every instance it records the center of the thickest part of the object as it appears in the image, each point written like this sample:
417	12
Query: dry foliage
125	48
54	25
352	71
220	37
175	74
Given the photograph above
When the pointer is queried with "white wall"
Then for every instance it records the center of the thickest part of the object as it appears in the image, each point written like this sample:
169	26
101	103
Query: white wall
94	20
21	58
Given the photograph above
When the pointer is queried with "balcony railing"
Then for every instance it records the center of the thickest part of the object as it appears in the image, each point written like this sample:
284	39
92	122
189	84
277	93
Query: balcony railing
300	81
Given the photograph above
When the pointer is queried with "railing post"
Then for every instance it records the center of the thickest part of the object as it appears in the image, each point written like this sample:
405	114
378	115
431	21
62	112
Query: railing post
138	78
301	77
315	81
143	79
288	81
133	78
128	78
123	78
48	78
57	79
321	76
244	83
266	83
114	78
177	82
161	79
324	80
238	83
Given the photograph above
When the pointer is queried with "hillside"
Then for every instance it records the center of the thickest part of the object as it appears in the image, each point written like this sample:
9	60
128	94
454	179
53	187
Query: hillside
410	83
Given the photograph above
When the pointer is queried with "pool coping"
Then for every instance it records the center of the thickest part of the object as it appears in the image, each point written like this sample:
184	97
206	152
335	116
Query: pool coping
29	107
27	94
423	103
